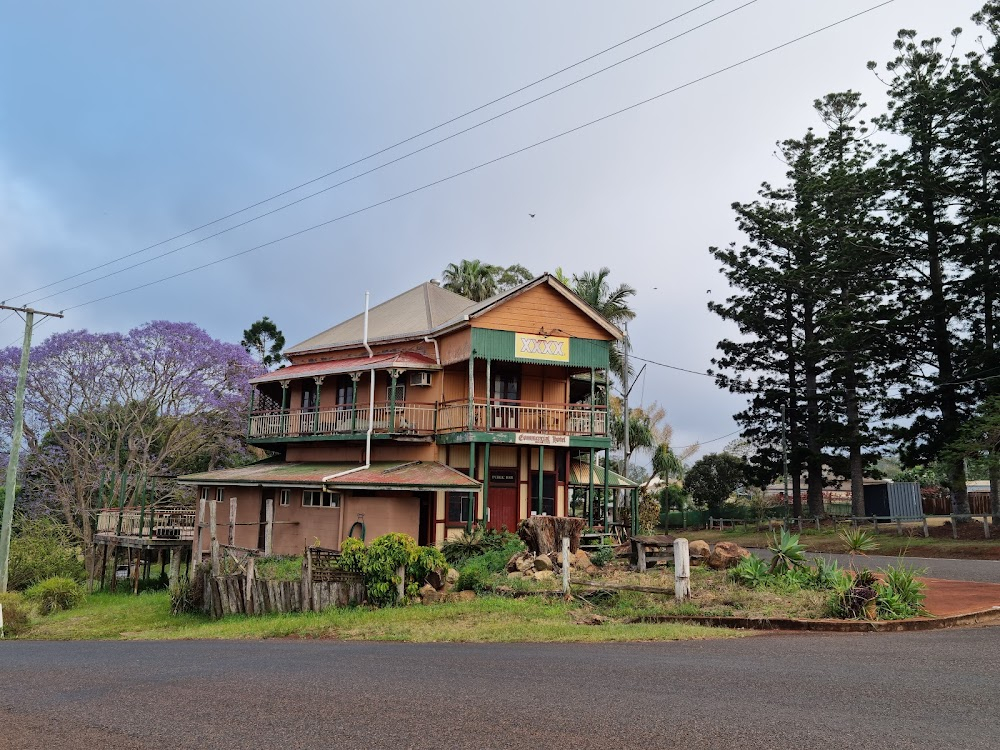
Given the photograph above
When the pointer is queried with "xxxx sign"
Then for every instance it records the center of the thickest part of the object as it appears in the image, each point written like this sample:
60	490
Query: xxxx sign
544	348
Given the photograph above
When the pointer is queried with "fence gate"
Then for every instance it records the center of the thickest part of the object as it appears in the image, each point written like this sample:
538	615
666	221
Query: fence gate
904	500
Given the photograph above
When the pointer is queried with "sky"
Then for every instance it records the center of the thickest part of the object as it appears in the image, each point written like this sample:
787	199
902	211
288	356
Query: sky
123	125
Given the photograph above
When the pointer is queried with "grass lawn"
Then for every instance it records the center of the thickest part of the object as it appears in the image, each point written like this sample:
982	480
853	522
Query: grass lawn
487	619
889	544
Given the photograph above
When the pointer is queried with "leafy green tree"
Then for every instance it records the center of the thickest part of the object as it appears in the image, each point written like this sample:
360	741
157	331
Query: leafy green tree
979	438
264	340
712	479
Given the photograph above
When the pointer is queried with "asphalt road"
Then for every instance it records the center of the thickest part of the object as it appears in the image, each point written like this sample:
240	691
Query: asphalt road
983	571
913	690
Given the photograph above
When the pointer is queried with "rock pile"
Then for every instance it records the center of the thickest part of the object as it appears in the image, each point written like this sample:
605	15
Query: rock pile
440	588
725	555
542	567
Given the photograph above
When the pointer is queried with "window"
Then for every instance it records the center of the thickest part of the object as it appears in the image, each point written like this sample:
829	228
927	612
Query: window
548	493
458	508
320	499
400	392
308	398
284	497
204	493
345	391
219	492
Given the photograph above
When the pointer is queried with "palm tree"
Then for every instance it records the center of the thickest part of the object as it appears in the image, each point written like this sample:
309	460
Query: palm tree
471	278
613	304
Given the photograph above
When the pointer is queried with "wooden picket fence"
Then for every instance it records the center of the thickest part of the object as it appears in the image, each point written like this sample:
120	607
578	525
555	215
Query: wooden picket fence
243	593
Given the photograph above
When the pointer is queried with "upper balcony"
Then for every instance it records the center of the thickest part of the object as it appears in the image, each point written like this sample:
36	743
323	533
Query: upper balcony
422	419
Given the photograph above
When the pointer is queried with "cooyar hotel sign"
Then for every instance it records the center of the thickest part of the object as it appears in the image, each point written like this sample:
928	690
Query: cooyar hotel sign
542	348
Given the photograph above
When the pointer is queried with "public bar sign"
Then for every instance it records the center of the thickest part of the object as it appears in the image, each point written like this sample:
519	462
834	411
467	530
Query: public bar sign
541	348
531	438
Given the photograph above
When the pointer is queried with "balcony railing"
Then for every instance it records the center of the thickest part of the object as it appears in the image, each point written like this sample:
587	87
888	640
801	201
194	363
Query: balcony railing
501	415
482	415
404	418
147	523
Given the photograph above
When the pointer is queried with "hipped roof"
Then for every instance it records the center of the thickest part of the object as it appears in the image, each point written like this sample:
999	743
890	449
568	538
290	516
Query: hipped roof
390	475
397	360
429	309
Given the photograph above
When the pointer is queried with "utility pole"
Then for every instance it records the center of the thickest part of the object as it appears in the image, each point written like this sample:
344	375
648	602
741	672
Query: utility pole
625	415
15	439
784	453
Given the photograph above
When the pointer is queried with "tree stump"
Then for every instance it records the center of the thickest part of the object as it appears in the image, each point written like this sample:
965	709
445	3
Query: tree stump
543	534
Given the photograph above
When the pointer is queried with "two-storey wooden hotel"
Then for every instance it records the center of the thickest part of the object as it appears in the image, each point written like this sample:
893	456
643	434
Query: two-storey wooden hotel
433	414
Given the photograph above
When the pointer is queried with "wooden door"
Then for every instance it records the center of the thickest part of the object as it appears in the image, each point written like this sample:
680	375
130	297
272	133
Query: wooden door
506	392
503	508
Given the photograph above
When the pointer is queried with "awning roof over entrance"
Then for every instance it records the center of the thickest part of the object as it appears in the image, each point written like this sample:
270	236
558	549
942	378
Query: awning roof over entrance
388	475
400	360
579	475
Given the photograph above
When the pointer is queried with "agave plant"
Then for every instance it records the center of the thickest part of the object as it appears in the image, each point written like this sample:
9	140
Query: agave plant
858	541
750	571
787	553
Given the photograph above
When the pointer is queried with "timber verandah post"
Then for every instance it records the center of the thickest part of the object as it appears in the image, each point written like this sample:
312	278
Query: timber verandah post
355	377
590	495
284	406
394	376
541	479
319	384
486	483
472	495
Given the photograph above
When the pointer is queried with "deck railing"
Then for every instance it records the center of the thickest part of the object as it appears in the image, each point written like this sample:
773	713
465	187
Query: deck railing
482	415
147	523
403	418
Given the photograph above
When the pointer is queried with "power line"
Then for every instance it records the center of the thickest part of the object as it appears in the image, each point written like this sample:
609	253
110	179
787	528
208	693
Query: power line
395	160
705	442
402	142
672	367
494	160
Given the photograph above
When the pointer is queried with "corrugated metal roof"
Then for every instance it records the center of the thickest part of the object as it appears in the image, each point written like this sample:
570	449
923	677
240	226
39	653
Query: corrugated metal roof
400	360
429	308
579	474
415	475
417	311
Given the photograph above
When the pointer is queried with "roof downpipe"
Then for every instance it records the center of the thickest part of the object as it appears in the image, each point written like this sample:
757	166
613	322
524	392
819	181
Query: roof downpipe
371	410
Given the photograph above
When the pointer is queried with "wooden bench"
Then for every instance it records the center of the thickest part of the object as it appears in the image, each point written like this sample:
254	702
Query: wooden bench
651	549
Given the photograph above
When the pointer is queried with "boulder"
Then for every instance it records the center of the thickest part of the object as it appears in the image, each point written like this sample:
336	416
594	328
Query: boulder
433	596
427	589
527	563
451	576
543	562
726	555
436	579
514	574
580	561
544	575
462	596
700	551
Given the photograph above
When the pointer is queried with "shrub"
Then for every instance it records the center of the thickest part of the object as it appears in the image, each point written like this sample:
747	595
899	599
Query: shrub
54	594
858	541
477	571
829	575
474	577
42	548
750	571
379	562
15	615
182	597
602	555
901	594
469	544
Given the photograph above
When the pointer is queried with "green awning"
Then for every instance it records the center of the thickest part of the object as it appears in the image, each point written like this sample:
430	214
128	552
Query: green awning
579	476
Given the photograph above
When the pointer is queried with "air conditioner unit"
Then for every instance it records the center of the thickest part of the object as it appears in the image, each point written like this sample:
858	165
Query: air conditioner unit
420	378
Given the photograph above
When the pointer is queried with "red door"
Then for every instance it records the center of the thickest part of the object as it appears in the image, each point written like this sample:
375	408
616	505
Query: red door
503	508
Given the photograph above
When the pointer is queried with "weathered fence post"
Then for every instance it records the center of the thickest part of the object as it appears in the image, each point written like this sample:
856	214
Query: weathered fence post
232	521
216	567
307	582
565	566
682	570
175	567
249	605
269	526
196	547
927	531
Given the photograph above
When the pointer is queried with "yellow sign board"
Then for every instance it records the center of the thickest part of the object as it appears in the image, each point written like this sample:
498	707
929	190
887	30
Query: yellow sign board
543	348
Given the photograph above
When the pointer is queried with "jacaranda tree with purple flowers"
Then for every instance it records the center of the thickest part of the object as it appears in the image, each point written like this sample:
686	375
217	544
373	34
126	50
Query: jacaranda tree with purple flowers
162	399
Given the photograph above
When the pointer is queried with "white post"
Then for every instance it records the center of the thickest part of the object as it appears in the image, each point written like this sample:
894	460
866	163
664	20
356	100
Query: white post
269	526
565	565
401	586
682	570
213	516
232	521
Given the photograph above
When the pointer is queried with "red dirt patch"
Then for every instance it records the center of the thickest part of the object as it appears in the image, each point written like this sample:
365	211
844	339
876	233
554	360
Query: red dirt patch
959	597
